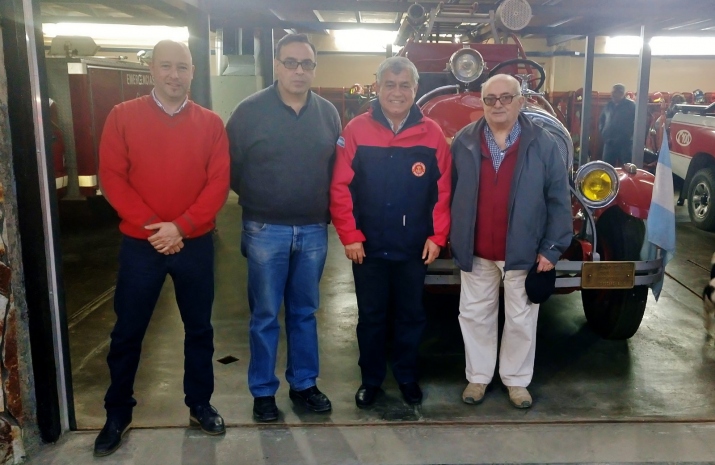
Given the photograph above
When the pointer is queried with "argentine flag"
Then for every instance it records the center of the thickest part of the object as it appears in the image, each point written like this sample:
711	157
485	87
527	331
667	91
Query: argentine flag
661	216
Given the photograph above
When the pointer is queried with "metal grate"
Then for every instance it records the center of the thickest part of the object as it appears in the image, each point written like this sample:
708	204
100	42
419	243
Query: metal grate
514	14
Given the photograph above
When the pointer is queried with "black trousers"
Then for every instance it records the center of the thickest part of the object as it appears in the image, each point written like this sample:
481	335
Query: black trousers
142	272
616	152
375	280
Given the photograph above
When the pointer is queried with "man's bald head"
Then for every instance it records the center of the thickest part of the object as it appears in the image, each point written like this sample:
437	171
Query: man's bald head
167	46
511	81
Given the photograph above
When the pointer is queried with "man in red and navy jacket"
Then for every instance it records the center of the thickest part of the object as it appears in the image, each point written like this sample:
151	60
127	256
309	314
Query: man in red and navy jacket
389	201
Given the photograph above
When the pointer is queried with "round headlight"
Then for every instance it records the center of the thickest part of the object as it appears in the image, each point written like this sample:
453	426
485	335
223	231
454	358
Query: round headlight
466	64
598	183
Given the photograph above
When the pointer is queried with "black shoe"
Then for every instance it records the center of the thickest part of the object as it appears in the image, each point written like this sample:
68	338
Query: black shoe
265	409
312	399
366	395
411	392
207	417
110	438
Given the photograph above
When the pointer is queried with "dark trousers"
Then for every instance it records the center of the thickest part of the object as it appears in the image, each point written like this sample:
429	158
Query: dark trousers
375	280
616	152
142	272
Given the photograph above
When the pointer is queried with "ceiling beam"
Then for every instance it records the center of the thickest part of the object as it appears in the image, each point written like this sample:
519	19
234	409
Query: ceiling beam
665	8
610	31
130	10
552	41
327	5
173	8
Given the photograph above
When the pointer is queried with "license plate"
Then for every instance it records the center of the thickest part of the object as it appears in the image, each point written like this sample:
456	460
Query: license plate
608	275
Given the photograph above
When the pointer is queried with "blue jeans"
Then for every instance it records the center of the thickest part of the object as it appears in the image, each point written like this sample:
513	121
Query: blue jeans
142	271
285	264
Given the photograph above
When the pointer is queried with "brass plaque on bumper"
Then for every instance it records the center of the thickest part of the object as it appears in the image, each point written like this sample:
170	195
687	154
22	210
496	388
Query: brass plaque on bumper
608	275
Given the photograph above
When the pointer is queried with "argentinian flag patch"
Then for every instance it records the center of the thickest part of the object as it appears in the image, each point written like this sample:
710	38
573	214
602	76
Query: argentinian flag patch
341	141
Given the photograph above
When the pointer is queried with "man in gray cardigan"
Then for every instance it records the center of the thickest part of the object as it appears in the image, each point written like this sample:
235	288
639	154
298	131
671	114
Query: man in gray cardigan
282	144
510	211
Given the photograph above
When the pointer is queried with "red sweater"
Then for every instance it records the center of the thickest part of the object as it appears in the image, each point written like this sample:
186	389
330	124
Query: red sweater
154	167
493	204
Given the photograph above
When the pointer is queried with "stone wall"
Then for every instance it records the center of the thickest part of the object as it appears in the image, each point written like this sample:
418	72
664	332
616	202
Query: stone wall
13	328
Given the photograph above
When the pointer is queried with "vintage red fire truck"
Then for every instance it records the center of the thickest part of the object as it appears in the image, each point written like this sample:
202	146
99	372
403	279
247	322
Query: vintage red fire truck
610	205
691	138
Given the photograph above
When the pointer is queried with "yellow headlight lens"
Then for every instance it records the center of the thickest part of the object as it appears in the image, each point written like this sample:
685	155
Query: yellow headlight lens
596	185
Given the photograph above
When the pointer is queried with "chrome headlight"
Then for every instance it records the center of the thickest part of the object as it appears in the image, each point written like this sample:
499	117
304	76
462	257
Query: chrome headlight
597	182
466	64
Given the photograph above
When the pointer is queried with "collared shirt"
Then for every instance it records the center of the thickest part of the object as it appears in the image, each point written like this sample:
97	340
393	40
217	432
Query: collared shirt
156	100
497	153
400	125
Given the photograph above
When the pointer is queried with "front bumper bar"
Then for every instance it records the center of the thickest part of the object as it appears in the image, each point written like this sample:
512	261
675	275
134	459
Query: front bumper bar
443	272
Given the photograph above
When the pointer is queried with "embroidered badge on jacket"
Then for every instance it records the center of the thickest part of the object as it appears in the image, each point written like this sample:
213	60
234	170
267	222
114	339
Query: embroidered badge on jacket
418	169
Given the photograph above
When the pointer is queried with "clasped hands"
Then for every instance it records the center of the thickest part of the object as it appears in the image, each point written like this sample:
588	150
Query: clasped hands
356	252
167	238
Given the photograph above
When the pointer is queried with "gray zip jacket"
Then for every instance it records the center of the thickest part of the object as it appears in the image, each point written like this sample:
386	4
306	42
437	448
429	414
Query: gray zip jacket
539	218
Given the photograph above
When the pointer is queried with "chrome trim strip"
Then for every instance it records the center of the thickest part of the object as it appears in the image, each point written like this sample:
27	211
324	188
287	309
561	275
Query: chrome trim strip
61	182
87	181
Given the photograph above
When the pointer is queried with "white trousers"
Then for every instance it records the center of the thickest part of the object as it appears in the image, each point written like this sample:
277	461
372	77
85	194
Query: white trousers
478	318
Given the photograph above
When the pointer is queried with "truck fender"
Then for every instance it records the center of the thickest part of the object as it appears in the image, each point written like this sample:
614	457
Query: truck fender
634	193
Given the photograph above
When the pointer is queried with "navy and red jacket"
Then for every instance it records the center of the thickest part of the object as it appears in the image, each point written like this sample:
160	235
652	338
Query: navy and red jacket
391	191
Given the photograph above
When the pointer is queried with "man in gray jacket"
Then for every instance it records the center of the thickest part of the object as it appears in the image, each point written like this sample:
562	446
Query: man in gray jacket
510	211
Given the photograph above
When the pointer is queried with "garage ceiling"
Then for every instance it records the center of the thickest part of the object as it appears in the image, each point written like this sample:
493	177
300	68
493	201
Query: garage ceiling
552	18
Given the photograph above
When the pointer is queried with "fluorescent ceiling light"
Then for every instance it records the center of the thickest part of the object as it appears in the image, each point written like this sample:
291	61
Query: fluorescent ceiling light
117	35
661	45
360	40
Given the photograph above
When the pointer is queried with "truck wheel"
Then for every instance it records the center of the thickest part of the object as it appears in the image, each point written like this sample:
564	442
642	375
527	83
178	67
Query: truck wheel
700	192
617	313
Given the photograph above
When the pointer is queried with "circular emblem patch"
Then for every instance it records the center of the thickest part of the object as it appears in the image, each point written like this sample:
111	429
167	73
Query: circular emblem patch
683	137
418	169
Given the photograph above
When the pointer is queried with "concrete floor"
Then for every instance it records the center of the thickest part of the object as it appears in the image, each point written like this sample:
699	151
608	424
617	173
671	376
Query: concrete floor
661	383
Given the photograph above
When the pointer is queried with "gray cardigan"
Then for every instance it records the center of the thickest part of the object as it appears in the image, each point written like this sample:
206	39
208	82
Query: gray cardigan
539	200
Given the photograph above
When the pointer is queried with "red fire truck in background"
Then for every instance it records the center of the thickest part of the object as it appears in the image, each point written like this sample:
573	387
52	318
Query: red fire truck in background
85	90
609	204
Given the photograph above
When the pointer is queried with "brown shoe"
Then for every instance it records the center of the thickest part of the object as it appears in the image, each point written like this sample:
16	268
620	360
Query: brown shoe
519	396
474	393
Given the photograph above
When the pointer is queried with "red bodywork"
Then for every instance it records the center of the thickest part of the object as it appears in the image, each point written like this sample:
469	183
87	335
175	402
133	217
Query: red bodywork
95	88
691	135
58	152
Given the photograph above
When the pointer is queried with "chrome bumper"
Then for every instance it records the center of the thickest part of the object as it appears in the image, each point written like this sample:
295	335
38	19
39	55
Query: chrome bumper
443	272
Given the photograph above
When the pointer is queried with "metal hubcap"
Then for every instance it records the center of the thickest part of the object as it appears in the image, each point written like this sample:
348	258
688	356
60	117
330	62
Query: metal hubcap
700	200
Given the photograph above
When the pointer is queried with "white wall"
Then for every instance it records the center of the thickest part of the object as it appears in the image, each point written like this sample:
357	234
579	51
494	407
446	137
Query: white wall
344	70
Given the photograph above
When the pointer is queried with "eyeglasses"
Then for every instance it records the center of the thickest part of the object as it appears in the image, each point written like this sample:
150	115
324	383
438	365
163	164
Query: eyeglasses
490	100
307	65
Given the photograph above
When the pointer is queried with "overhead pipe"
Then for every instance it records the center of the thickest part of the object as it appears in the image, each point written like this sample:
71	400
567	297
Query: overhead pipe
416	17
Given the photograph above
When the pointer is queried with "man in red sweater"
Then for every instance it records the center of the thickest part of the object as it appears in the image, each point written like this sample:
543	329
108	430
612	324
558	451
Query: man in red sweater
164	166
510	212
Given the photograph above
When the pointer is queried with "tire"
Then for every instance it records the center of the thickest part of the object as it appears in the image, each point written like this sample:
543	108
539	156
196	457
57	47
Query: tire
617	313
700	193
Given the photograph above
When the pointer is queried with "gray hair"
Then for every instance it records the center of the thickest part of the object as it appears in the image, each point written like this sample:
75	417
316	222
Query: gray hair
619	87
396	65
503	77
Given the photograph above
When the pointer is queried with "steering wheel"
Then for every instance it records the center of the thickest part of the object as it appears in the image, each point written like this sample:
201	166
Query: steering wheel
526	62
